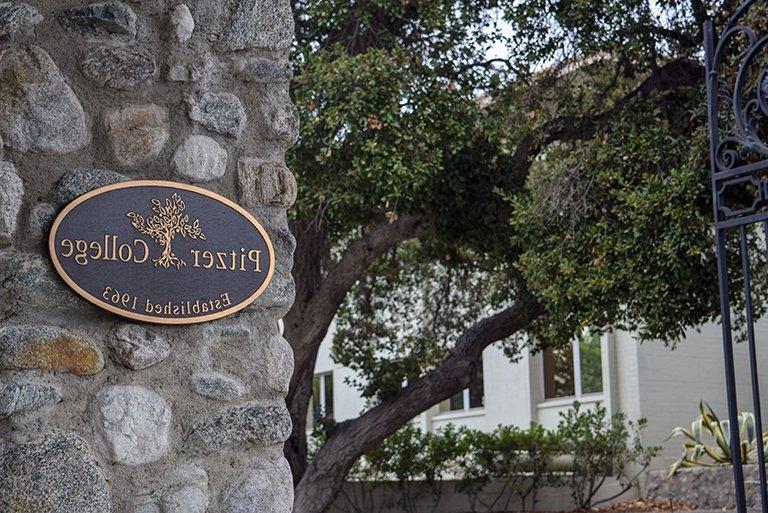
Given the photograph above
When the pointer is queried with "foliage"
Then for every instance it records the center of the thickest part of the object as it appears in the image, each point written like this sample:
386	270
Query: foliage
602	446
403	112
559	161
698	453
412	455
405	317
522	461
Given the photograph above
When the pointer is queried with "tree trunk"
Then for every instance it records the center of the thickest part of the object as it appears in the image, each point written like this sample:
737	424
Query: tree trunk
307	273
318	298
351	439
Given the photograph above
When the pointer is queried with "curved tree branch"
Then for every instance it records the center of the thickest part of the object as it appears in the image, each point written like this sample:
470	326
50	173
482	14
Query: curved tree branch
674	74
353	438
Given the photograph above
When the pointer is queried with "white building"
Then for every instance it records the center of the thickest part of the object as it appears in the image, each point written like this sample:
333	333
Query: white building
643	380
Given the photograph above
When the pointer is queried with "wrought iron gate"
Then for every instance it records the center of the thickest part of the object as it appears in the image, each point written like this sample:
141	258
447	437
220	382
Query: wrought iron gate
737	92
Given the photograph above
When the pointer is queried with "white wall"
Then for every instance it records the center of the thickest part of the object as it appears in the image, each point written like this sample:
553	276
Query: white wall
672	382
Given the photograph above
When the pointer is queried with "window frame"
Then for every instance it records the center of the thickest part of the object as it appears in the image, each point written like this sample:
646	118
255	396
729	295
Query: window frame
577	377
323	406
467	410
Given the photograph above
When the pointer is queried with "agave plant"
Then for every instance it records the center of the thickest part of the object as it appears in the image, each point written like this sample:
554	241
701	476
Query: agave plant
698	453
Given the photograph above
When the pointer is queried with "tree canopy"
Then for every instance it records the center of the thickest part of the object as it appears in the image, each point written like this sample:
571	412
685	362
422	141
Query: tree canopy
535	167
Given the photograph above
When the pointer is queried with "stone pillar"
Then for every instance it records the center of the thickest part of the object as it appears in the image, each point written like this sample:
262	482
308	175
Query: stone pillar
98	414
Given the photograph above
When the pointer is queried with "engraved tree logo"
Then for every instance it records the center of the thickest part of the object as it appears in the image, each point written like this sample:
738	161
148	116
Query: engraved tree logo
170	219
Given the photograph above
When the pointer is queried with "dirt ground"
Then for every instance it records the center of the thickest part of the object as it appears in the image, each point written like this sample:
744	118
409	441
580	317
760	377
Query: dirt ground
644	506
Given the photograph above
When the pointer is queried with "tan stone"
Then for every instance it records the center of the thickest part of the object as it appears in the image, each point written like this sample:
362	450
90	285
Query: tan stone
262	183
47	348
138	133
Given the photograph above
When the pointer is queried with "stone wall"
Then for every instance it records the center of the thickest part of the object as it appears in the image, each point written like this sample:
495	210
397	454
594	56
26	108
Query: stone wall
710	488
98	414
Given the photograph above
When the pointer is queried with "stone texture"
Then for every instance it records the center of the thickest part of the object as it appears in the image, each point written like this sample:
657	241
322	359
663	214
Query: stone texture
178	73
216	386
138	133
79	181
11	195
17	19
132	424
220	112
38	110
710	488
183	23
258	24
28	284
144	505
262	184
101	20
41	218
93	113
119	68
245	424
48	348
200	159
26	397
136	348
279	356
187	492
267	486
54	473
261	70
282	117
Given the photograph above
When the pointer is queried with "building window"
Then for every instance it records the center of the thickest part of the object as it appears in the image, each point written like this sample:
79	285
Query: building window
574	370
322	396
468	399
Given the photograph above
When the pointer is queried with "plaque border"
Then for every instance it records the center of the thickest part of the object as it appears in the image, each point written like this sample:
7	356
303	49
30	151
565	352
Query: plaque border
150	318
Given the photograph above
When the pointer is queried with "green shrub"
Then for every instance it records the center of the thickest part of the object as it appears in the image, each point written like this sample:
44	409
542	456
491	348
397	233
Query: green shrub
412	463
601	447
520	459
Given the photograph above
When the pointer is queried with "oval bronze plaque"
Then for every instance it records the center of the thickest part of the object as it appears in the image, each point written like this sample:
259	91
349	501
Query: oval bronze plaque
162	252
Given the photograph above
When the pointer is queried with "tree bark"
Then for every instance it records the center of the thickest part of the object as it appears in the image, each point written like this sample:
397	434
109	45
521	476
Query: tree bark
351	439
318	299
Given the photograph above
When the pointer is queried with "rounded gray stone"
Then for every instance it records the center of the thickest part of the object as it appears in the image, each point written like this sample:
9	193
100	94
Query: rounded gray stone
119	68
26	397
219	112
17	19
183	23
245	424
79	181
264	24
132	425
216	386
11	195
137	348
54	473
187	491
266	487
38	110
29	284
261	70
200	159
137	133
41	218
101	20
